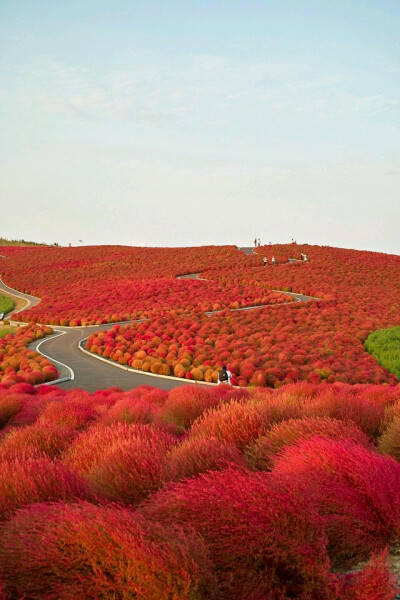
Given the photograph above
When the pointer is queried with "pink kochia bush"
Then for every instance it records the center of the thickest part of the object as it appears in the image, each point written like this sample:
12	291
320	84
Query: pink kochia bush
353	488
68	552
264	543
122	463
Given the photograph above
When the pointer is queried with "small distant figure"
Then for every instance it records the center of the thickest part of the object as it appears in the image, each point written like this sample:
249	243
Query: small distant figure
224	376
270	243
305	257
273	261
302	256
259	242
292	241
255	242
265	260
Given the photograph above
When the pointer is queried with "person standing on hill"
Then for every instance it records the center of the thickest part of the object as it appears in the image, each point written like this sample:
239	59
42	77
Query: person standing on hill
265	260
224	376
255	242
273	261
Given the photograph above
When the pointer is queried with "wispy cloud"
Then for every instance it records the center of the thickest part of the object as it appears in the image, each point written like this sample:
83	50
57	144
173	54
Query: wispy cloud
156	95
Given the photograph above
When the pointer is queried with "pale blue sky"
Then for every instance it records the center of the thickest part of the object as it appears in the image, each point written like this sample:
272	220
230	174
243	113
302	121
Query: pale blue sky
180	123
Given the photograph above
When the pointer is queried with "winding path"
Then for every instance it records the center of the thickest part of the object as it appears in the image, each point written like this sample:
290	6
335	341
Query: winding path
91	372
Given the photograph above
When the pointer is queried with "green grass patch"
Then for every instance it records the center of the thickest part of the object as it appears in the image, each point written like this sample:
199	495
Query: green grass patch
5	331
6	304
384	344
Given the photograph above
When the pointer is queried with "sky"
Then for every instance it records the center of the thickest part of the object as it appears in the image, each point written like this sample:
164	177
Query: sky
177	123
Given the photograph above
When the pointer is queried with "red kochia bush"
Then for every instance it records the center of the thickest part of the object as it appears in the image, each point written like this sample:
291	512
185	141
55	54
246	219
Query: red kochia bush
262	452
343	404
36	440
122	462
36	480
76	413
130	410
10	405
54	551
354	488
374	582
238	423
264	543
186	403
198	455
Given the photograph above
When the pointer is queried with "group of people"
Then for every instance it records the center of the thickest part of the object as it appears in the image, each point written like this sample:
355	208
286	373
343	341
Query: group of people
265	261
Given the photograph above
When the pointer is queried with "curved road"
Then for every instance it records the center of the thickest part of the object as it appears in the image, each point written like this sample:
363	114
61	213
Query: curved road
78	370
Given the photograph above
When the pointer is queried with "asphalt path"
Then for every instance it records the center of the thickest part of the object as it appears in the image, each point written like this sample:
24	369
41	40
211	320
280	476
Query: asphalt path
79	370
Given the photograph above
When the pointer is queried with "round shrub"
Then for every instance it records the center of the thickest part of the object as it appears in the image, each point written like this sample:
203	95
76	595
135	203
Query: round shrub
237	423
36	440
66	551
262	452
33	480
130	410
198	455
264	543
338	403
69	412
355	489
185	404
10	405
123	463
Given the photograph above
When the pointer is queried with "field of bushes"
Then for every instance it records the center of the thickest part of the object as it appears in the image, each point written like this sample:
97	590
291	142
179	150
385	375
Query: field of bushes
200	493
279	343
20	364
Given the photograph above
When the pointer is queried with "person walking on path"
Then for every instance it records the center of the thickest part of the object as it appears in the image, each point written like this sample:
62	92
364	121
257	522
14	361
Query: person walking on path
265	260
224	376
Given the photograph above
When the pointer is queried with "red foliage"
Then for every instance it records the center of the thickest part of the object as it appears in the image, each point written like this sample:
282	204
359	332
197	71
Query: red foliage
35	441
237	423
36	479
318	341
375	581
261	454
348	404
21	367
198	455
263	543
123	463
76	551
186	403
355	489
